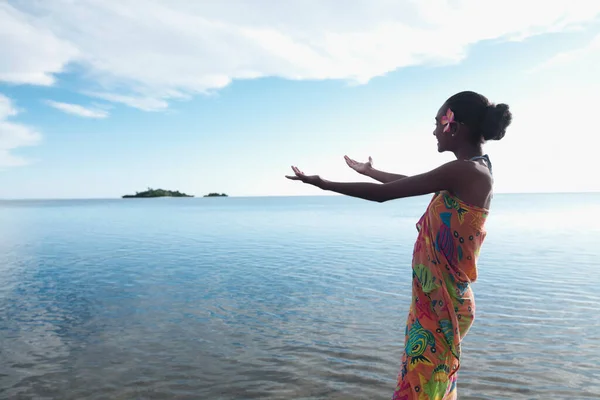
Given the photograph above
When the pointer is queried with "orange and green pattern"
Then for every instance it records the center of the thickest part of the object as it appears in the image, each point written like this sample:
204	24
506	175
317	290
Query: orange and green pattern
442	310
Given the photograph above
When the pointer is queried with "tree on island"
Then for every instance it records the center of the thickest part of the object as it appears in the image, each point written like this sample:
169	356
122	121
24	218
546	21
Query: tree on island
215	195
156	193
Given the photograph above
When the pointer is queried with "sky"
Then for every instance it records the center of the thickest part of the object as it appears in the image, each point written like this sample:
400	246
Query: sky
99	98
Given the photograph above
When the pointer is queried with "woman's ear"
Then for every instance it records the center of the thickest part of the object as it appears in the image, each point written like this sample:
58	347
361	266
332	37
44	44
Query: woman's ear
454	129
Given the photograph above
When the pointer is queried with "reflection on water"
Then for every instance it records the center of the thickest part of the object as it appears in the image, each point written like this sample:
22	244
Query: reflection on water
280	298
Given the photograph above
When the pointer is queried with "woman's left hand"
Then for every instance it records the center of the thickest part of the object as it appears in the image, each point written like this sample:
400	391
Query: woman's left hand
300	176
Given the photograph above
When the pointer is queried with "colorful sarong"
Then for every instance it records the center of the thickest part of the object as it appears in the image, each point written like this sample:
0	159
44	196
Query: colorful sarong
442	310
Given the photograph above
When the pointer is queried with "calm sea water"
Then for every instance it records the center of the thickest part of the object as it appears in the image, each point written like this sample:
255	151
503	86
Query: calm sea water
277	298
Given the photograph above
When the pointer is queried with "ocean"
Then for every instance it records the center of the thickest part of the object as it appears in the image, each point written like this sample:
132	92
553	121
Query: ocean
283	298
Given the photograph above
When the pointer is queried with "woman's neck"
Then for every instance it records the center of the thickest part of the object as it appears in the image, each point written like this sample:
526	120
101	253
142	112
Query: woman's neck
468	152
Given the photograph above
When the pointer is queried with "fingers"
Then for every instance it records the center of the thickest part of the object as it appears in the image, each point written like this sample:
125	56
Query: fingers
297	171
299	174
370	160
350	161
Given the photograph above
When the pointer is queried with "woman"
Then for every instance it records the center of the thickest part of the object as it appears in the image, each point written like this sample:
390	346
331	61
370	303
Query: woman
450	235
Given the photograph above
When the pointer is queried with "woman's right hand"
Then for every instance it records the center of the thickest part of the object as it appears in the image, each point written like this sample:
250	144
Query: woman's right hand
360	167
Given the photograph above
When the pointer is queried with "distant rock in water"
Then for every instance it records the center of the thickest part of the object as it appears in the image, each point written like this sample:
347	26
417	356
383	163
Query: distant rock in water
156	193
215	195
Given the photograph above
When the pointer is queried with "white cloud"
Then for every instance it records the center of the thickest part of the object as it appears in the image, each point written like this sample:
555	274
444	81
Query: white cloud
13	135
144	53
31	53
6	108
579	56
78	110
142	103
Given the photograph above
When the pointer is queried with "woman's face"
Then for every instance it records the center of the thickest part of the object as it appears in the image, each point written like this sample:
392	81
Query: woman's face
444	139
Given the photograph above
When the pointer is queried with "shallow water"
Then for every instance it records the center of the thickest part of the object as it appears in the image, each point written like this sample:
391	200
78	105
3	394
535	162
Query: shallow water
273	298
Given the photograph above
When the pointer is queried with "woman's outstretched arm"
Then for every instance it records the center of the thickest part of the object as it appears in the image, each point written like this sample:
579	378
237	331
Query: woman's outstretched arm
366	169
383	177
446	177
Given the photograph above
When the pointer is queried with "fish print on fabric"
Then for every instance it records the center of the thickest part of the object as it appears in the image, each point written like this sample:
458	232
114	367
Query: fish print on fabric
451	203
418	340
444	241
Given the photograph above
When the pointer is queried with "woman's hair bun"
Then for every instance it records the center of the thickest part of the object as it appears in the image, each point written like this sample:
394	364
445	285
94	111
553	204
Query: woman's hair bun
497	118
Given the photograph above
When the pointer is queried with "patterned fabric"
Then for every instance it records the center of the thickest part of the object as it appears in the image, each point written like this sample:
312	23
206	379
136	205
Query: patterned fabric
442	310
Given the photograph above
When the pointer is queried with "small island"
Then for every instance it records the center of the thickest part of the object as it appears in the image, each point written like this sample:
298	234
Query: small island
215	195
150	193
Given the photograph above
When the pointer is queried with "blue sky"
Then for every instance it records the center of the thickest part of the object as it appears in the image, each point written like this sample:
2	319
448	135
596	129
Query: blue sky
99	99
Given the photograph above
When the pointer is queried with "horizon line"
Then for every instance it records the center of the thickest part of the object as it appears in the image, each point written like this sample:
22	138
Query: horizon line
268	196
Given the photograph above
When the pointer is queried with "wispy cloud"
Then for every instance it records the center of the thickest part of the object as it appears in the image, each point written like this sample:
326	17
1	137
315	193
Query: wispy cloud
140	102
580	55
76	109
13	135
6	108
169	49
